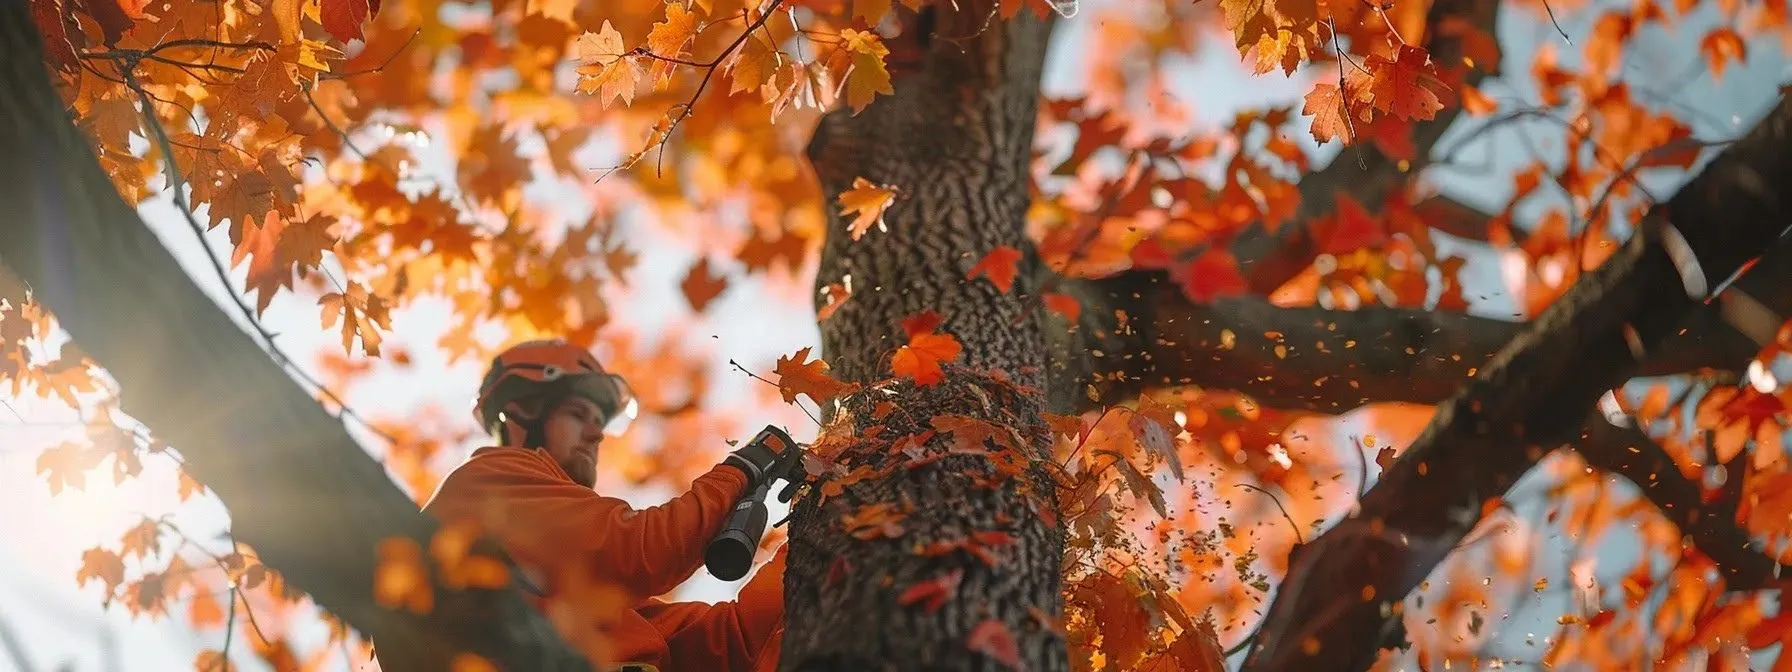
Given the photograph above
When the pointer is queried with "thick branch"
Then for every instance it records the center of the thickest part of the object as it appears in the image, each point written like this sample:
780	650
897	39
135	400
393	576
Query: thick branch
1533	394
1271	258
313	504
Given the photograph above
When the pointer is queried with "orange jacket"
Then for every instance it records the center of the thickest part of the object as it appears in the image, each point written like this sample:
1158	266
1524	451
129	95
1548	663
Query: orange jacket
567	539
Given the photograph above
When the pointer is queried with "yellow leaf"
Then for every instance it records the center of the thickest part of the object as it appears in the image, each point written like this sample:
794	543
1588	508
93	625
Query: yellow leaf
869	202
867	77
753	66
602	47
361	313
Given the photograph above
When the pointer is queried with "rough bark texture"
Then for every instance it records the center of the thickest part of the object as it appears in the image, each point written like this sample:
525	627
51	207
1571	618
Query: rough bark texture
312	503
956	139
1534	393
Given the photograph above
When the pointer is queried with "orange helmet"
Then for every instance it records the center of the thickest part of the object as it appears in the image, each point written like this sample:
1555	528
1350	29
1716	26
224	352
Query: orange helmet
549	370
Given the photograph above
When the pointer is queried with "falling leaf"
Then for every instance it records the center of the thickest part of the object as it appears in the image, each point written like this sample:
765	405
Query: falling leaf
999	266
925	351
934	592
797	376
1063	304
700	287
868	202
991	637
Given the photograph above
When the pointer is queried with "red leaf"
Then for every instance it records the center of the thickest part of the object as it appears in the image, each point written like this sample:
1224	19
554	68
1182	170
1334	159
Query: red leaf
1349	230
992	638
921	323
1407	86
343	18
934	592
1063	304
1212	275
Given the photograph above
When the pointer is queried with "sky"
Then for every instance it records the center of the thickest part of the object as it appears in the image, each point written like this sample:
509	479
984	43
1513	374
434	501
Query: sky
64	627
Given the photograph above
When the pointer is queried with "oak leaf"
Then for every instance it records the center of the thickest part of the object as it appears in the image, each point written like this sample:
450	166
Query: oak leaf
797	376
867	202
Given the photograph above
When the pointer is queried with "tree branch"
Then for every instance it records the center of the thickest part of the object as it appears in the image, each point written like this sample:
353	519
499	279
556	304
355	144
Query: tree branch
1269	259
1534	394
313	504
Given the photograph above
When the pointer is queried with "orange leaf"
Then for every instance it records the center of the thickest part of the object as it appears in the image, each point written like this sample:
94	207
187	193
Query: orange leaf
868	202
872	521
1477	103
99	563
1212	275
1325	104
999	266
992	638
212	660
66	464
700	287
796	376
836	294
362	313
1720	46
203	611
868	76
142	539
1349	230
401	580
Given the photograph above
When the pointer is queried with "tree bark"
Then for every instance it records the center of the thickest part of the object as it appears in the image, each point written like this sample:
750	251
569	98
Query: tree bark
956	139
1532	395
300	490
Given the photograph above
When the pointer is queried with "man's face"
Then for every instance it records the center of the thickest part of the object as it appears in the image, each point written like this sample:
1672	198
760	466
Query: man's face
574	428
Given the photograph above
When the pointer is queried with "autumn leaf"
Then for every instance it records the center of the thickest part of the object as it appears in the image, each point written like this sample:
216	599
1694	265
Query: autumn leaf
1406	86
868	202
834	295
361	312
1158	437
797	376
401	580
867	76
101	564
1349	229
212	660
142	539
343	18
66	464
699	287
1325	104
1136	481
873	521
992	638
1210	276
605	69
934	592
925	351
1720	47
1063	304
999	266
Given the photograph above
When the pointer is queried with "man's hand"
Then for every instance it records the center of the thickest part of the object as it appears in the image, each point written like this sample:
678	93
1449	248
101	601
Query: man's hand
770	455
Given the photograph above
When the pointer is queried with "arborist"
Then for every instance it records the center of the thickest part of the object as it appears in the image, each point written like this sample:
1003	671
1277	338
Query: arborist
549	404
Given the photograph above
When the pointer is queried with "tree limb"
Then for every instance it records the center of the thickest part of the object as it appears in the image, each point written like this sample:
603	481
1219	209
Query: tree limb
1533	394
300	490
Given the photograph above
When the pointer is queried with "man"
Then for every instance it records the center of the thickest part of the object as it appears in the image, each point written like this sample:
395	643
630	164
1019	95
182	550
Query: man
549	404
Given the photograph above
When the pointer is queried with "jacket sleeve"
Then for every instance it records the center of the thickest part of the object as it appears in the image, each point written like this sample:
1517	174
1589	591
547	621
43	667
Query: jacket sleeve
647	551
724	635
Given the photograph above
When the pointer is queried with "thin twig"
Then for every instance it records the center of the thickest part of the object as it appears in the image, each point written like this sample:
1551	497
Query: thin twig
757	377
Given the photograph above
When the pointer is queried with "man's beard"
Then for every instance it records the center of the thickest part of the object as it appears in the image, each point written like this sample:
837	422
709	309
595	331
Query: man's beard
582	469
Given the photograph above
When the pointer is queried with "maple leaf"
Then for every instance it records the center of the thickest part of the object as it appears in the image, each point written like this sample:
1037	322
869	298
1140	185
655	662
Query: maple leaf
1754	406
700	287
868	202
101	564
1157	435
992	638
203	611
925	351
867	76
797	376
1349	230
343	18
1331	120
142	539
604	67
667	40
401	578
754	66
1140	484
933	592
212	660
66	464
1406	86
361	313
1212	275
999	266
1125	625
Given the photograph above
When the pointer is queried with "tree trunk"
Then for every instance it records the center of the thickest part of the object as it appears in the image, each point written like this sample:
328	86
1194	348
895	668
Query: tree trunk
956	139
1343	590
300	491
